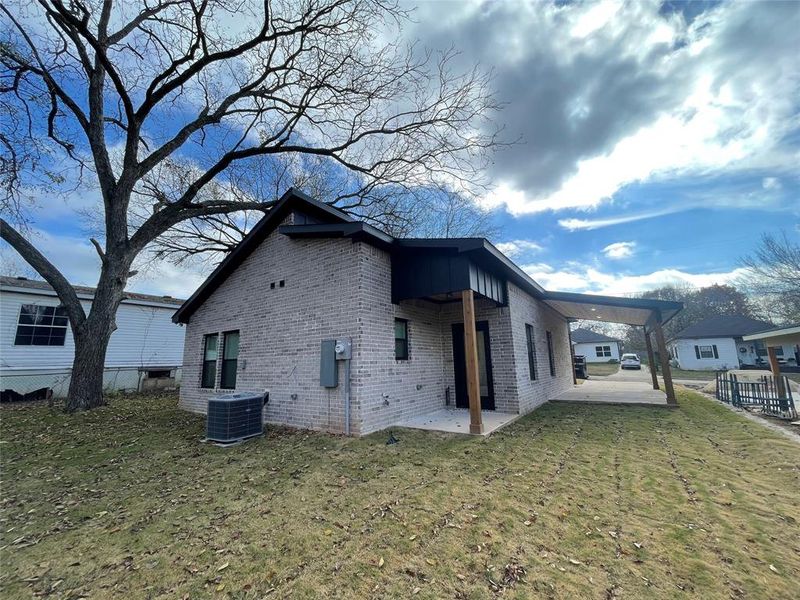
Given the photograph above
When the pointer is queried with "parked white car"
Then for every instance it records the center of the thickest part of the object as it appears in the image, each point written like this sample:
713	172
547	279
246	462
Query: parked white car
630	361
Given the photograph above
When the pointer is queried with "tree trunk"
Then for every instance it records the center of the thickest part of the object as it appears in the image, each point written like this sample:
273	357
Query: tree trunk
86	385
91	339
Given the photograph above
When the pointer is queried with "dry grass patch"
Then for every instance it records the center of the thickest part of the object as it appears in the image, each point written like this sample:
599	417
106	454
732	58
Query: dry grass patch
601	369
571	501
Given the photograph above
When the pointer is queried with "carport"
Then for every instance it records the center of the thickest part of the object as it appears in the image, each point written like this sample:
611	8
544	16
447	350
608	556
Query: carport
648	314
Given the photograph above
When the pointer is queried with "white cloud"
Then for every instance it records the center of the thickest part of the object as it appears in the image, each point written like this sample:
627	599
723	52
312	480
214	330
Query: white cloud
605	94
577	277
620	250
575	224
518	247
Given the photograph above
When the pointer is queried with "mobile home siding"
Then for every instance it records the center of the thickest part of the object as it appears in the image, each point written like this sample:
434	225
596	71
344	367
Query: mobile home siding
145	336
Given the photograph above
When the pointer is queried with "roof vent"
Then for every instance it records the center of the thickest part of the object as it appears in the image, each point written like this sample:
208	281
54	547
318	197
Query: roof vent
20	278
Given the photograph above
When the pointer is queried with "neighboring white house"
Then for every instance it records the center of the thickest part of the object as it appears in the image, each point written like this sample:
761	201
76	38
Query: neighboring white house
716	343
596	347
785	340
37	348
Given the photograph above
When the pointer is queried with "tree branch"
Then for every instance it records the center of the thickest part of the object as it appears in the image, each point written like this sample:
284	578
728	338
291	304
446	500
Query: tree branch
46	269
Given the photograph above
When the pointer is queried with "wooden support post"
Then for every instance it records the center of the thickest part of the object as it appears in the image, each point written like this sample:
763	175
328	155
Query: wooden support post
651	358
775	367
471	359
666	370
572	356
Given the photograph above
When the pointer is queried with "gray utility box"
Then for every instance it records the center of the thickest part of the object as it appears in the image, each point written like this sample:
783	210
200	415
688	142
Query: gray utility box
234	417
330	352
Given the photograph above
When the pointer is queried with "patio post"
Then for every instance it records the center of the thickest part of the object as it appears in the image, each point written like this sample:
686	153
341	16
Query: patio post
651	358
666	370
775	367
572	356
471	354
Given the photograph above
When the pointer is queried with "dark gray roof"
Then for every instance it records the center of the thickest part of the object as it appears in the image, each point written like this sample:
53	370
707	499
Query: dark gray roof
33	284
328	221
587	336
723	326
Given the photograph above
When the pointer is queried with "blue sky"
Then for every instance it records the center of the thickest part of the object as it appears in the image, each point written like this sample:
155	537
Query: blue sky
657	141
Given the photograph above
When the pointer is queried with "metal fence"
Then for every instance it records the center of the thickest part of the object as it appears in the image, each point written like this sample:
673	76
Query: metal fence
115	379
770	395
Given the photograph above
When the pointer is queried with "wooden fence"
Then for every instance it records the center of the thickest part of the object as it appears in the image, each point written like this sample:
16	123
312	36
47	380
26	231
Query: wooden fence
772	396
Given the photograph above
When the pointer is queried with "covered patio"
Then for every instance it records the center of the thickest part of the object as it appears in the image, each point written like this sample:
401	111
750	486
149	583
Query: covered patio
615	391
457	420
648	314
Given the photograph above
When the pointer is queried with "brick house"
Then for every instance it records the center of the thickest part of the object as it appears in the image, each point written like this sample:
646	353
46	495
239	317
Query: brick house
308	273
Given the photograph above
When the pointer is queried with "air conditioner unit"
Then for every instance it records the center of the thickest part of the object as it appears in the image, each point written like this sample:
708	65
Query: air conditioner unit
235	417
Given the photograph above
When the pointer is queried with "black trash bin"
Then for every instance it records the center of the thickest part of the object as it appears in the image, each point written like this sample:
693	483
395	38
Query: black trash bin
580	366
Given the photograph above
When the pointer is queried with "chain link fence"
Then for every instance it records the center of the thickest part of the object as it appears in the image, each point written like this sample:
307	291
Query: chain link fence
115	379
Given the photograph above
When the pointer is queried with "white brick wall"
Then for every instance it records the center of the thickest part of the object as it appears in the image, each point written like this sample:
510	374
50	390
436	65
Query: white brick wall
281	328
335	288
524	309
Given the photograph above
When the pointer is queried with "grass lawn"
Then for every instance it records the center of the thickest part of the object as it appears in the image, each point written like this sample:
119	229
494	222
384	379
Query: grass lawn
601	369
570	501
684	374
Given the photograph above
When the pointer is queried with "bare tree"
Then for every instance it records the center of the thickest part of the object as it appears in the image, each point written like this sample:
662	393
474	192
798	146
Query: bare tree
166	103
698	304
773	277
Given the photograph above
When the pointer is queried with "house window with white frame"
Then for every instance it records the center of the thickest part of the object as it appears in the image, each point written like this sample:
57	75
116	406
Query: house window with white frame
706	352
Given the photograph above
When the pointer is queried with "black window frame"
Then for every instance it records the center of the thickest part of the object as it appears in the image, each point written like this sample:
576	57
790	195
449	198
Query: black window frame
603	352
406	353
530	339
550	355
209	366
710	351
225	371
41	325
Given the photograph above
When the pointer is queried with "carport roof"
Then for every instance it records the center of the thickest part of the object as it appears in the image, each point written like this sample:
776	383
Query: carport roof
612	309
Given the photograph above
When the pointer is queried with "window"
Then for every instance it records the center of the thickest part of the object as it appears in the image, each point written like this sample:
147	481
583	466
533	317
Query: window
401	339
603	351
41	326
230	360
550	356
706	352
531	351
209	376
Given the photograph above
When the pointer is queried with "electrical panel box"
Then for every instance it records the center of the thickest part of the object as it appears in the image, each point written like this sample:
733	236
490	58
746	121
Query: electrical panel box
328	369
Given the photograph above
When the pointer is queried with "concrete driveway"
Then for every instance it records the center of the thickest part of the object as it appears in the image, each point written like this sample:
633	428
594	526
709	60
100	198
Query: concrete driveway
642	374
629	387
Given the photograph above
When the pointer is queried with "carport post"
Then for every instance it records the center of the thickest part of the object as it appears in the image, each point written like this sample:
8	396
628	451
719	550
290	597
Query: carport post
651	359
775	367
572	355
666	370
471	356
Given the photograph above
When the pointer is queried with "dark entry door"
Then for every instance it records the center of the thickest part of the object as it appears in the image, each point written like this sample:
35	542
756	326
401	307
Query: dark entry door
484	366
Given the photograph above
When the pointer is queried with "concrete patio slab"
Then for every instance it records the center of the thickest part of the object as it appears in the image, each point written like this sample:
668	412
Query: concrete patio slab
456	420
631	393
